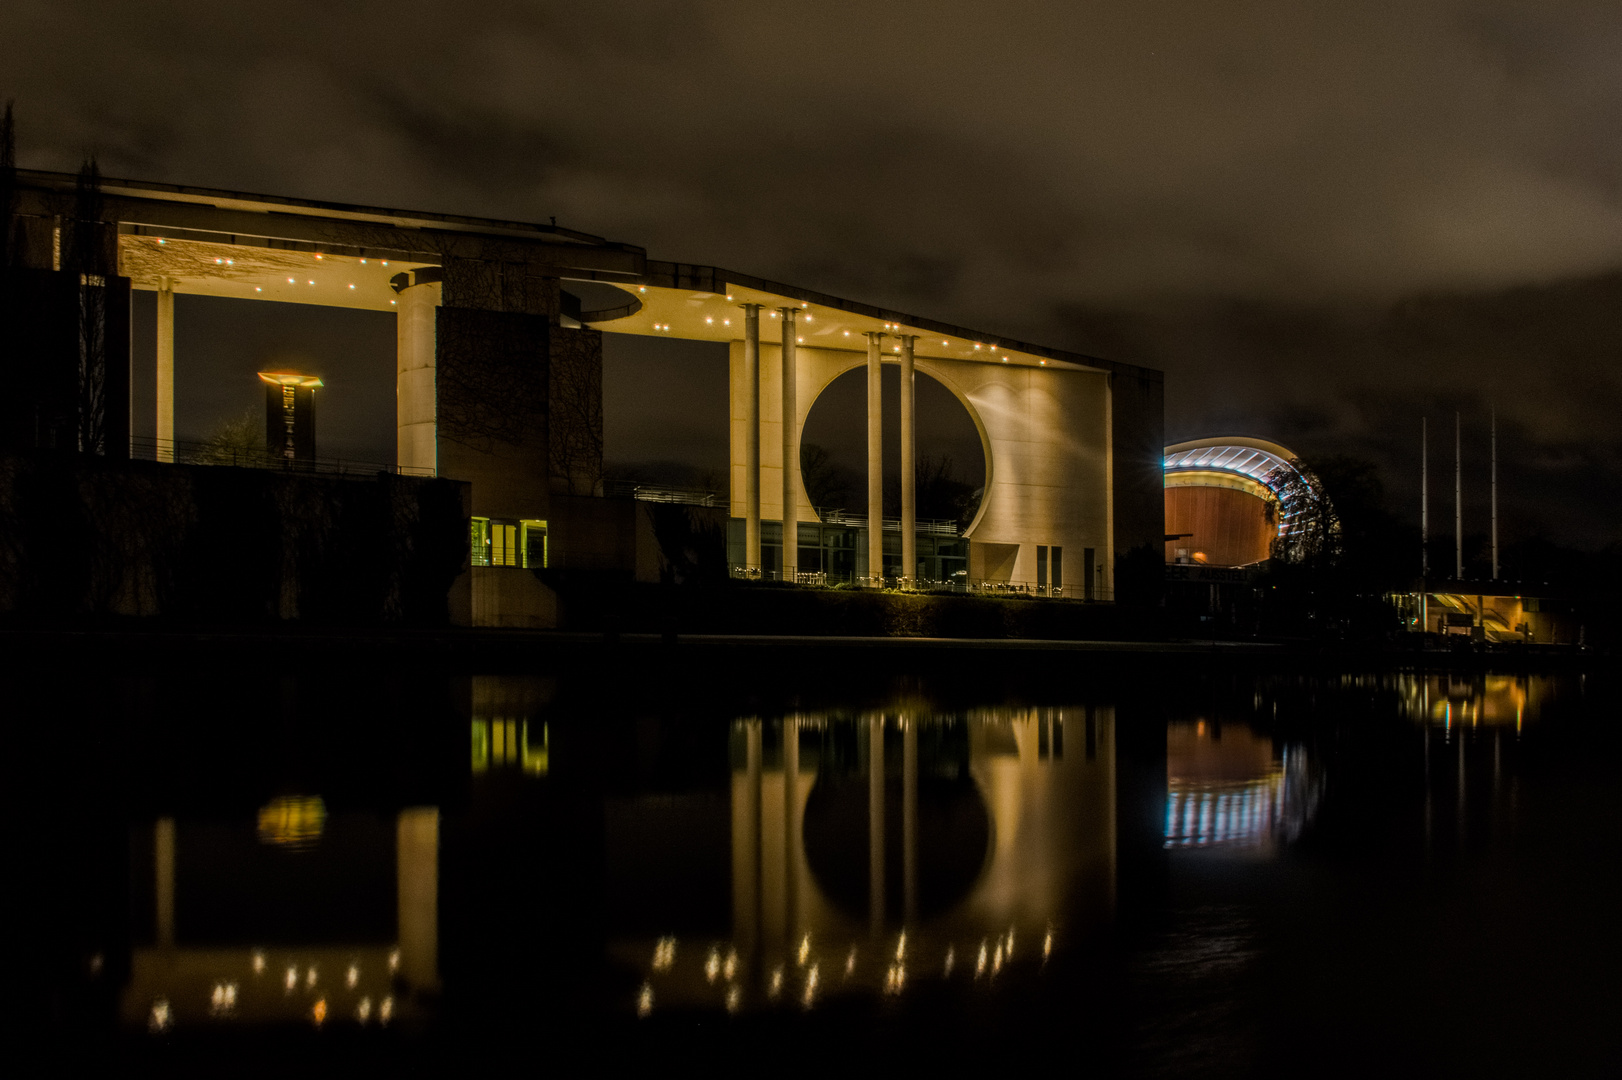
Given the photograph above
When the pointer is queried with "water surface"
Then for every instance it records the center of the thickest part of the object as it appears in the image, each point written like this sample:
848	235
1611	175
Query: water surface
1205	873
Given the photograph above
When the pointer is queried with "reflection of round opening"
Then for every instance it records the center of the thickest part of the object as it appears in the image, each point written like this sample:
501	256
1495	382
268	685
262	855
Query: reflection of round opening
951	459
954	840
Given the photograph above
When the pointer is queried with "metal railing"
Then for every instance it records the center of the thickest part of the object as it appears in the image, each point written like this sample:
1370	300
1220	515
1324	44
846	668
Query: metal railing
182	452
963	585
659	493
928	526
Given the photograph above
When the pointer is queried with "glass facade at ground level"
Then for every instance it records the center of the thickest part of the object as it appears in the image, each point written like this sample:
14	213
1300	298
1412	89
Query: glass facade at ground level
840	552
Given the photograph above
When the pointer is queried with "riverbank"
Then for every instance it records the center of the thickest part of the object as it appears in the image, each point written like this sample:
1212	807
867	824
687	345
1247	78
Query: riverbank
131	643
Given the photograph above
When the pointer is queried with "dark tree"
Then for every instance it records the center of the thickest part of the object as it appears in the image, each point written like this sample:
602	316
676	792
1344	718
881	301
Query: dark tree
826	484
942	494
1311	532
85	257
1340	554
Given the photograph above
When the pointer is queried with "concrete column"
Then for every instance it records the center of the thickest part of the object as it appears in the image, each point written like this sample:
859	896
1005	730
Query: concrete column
416	401
875	460
165	428
751	459
909	467
909	816
791	452
417	893
875	822
163	864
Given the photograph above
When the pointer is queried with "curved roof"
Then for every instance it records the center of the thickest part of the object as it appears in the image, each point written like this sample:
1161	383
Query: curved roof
1266	463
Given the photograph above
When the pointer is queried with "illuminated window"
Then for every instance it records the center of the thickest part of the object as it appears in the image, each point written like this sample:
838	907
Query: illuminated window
494	542
503	543
532	542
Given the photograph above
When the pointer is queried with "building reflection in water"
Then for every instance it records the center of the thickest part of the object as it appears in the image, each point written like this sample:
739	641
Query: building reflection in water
1450	701
290	920
505	733
876	852
1233	788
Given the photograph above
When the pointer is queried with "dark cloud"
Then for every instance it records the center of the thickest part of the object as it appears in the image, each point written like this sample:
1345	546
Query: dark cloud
1292	208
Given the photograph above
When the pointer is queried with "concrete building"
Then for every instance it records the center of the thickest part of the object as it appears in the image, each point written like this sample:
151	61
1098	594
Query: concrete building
499	383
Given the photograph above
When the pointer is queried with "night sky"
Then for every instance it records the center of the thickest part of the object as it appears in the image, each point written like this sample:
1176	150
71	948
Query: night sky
1322	221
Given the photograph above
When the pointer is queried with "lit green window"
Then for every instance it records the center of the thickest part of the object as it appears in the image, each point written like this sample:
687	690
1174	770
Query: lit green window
533	543
509	543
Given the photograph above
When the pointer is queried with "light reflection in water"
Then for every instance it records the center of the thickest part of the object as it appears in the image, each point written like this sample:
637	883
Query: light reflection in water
889	840
1230	788
912	833
1447	700
180	980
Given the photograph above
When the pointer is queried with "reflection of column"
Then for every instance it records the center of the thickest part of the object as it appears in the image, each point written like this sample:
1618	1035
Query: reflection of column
875	820
875	461
909	464
417	892
165	432
909	815
791	454
791	828
163	860
751	458
416	402
746	843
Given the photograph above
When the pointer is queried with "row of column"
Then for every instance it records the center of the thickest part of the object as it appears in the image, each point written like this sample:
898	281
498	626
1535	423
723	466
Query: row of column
791	449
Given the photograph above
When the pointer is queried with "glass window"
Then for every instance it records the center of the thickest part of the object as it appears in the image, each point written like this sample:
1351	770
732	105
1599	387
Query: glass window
508	543
533	542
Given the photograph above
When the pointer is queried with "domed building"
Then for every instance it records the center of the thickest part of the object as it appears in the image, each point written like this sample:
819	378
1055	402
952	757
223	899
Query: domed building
1228	499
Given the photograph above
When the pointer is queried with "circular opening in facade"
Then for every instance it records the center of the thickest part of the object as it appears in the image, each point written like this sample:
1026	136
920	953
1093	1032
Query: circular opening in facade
951	466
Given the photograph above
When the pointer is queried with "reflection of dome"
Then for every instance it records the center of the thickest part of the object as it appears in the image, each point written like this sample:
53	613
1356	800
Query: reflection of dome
1229	788
954	841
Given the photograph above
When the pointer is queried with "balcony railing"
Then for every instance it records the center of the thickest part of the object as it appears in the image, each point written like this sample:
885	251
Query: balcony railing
957	584
181	452
659	493
926	526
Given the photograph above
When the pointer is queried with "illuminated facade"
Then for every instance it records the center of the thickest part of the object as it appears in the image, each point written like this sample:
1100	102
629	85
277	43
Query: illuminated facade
499	383
1227	499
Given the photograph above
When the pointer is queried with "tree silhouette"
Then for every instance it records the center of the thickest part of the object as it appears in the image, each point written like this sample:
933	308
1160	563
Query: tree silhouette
826	484
87	259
